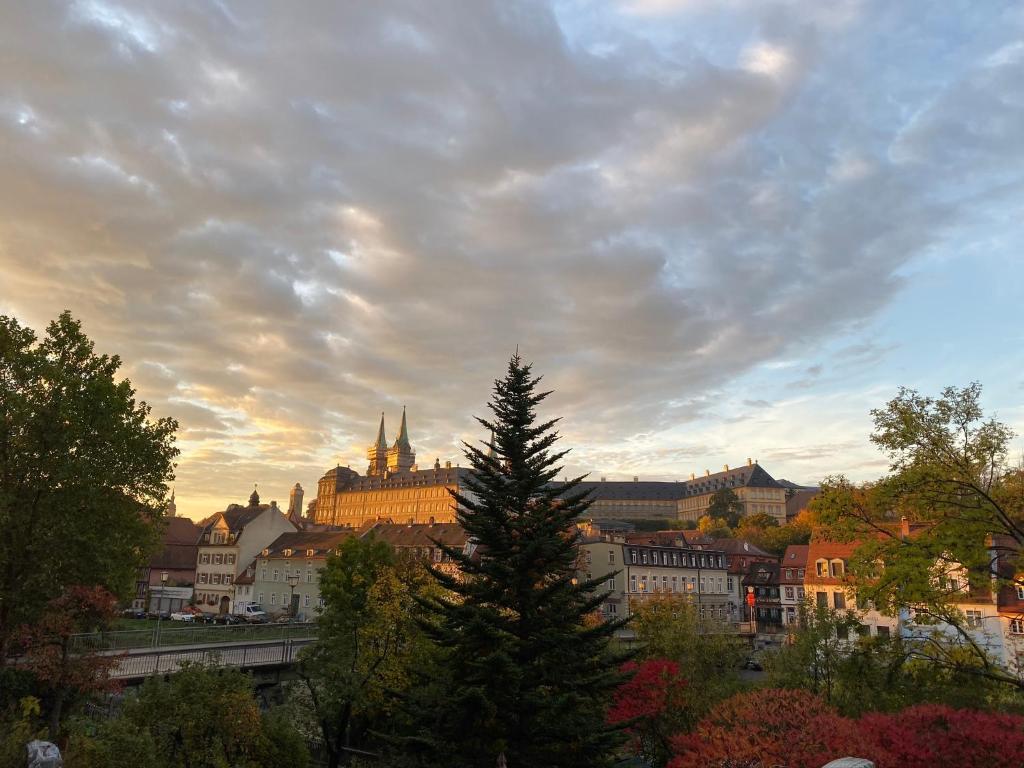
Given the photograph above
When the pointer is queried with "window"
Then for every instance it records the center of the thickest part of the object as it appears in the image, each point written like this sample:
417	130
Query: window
654	558
1020	591
305	601
321	603
309	553
843	632
837	569
1017	626
675	584
205	559
227	578
611	608
790	593
632	583
309	575
703	584
882	631
822	598
822	566
800	573
800	593
276	573
864	630
973	618
632	555
259	598
839	599
729	582
789	573
675	558
643	557
611	557
693	583
204	578
218	559
610	585
263	573
273	598
643	583
664	583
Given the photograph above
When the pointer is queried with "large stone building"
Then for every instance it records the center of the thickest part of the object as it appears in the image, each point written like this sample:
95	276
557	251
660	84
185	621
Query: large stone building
394	488
687	499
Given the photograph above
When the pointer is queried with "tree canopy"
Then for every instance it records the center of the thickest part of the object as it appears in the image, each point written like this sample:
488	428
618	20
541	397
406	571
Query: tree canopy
83	471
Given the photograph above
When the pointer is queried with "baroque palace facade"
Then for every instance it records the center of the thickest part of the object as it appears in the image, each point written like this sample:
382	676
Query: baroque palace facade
394	488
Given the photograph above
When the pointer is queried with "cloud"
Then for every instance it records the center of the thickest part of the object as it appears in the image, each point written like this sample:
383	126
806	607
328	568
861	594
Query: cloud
288	221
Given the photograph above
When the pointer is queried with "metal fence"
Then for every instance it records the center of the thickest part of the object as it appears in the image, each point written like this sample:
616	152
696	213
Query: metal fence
145	664
169	634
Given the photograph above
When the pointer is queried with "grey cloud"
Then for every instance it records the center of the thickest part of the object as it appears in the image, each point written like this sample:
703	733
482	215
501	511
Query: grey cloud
303	216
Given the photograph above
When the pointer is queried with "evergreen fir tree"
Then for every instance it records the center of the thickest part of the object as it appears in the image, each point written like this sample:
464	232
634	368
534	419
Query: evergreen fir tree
529	669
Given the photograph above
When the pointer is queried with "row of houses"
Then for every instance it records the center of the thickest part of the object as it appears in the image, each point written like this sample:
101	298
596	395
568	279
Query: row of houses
766	596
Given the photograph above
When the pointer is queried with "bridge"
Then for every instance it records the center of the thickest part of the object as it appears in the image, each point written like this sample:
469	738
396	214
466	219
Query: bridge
134	665
164	649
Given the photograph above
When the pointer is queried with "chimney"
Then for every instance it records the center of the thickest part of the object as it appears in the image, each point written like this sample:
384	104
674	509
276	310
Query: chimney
604	479
693	476
726	467
904	528
636	479
707	473
749	462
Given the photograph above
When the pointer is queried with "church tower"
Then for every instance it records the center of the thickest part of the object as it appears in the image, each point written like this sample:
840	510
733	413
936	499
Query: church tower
401	457
378	452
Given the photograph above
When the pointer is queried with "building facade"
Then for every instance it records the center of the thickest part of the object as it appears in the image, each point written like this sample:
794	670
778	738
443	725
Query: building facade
792	571
826	584
689	499
394	488
229	542
286	574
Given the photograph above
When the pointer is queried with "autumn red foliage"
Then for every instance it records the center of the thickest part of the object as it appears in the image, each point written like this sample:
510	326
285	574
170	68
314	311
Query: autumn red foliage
653	706
930	735
769	727
61	670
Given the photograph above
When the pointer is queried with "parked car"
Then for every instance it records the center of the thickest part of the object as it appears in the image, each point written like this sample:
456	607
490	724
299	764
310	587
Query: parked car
227	619
185	616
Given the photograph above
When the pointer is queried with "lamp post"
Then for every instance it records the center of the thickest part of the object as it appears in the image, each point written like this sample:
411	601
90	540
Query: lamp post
159	612
293	581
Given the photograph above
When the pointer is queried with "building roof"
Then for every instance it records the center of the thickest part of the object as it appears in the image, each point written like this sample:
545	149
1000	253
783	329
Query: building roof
746	476
799	499
761	573
181	530
741	547
321	542
248	574
795	555
419	534
346	479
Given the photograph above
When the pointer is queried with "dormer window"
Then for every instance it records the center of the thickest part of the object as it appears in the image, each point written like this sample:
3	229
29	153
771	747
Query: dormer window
837	568
822	566
288	553
309	553
266	553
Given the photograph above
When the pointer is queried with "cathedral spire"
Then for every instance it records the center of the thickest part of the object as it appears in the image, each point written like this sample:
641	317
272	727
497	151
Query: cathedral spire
382	441
403	434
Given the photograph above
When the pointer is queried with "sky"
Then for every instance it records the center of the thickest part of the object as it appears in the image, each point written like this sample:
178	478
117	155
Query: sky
720	229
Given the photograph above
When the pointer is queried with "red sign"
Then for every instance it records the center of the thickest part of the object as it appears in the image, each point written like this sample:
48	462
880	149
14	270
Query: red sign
750	598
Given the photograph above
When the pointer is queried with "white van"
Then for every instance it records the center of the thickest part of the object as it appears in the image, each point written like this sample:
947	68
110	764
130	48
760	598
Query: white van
251	612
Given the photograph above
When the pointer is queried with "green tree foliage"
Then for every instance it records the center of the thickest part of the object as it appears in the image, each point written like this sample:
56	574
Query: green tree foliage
368	641
950	477
708	652
714	528
200	717
83	471
527	676
765	532
725	505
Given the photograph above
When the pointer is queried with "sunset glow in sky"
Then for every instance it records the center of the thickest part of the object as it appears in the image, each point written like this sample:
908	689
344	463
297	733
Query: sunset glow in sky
720	229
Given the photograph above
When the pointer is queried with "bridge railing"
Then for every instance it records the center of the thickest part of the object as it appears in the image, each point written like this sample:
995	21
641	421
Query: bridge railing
148	663
189	634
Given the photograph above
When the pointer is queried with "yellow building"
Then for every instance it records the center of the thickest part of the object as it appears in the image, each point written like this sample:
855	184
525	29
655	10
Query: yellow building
394	488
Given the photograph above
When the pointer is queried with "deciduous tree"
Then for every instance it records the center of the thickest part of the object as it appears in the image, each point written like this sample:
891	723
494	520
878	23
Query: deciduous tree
950	478
83	471
654	705
726	505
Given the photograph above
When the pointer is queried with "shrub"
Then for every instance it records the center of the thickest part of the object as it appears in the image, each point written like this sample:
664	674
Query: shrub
771	727
931	735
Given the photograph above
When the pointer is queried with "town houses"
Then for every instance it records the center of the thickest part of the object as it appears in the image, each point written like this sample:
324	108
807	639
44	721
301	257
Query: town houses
262	555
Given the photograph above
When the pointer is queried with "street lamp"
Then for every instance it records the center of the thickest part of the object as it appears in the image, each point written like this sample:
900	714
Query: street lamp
293	582
159	612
